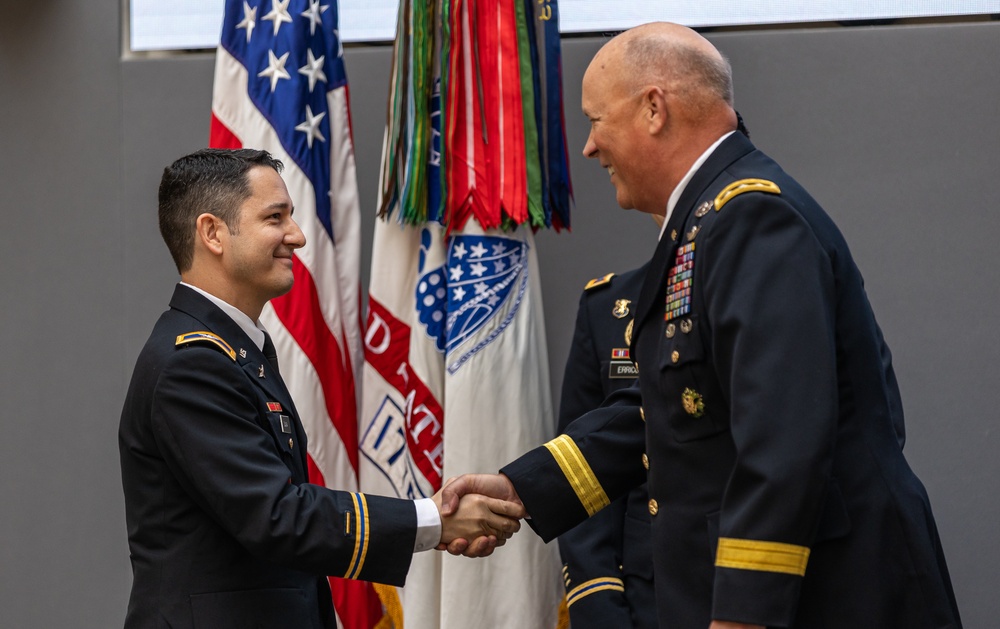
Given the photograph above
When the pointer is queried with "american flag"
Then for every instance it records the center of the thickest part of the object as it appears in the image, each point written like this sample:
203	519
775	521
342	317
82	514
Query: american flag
280	85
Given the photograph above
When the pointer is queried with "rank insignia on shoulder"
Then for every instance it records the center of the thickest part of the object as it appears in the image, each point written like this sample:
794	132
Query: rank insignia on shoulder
737	188
599	281
206	337
620	311
693	403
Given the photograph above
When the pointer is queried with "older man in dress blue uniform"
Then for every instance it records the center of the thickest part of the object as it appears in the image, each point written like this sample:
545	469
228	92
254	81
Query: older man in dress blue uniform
779	493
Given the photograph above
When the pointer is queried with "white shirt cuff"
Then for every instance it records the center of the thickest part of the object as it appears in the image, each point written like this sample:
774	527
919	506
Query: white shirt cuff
428	525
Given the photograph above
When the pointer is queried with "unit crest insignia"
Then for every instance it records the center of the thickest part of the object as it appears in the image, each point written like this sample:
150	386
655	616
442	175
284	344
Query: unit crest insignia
620	311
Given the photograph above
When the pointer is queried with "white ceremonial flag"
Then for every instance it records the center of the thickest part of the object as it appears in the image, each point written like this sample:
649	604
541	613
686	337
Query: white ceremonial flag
455	381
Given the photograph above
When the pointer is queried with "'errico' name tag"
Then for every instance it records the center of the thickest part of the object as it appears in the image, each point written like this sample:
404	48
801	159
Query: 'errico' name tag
623	369
286	424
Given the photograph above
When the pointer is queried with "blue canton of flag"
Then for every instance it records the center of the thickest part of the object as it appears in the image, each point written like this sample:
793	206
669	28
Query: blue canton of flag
293	56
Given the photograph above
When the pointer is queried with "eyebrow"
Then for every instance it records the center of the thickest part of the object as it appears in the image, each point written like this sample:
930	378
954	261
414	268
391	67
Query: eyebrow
279	206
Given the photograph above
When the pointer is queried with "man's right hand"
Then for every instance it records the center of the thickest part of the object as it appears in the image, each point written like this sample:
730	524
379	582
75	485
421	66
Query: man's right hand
483	508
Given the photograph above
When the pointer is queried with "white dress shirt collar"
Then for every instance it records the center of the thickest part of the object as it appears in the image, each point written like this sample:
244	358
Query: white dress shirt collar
679	190
253	329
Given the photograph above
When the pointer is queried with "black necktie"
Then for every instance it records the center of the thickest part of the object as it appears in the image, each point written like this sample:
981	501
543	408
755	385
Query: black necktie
270	354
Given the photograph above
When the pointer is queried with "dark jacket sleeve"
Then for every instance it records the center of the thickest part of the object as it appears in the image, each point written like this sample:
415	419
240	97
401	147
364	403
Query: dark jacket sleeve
577	474
767	272
214	442
591	551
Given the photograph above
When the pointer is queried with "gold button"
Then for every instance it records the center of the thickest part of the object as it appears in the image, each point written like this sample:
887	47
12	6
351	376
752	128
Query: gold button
642	413
653	507
645	461
671	330
676	356
686	326
291	444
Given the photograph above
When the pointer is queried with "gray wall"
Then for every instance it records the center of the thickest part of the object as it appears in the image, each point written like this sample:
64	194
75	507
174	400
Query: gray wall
894	129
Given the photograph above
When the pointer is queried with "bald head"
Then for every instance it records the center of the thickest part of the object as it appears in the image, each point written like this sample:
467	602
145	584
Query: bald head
658	96
674	58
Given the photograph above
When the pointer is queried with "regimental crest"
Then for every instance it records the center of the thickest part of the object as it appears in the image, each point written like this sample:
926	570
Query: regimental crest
481	284
694	404
620	311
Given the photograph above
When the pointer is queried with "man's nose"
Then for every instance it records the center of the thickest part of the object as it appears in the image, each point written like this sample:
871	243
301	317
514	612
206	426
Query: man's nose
295	238
590	149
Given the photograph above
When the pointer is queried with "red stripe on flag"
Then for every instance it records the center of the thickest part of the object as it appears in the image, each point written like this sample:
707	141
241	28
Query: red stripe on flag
300	313
220	137
387	350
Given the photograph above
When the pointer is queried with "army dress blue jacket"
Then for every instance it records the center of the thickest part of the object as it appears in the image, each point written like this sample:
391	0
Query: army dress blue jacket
607	565
224	529
779	493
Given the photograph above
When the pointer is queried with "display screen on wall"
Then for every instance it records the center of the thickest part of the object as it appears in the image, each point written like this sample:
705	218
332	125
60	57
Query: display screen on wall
196	24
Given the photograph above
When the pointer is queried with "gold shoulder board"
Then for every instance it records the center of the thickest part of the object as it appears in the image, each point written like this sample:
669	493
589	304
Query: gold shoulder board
737	188
598	281
206	337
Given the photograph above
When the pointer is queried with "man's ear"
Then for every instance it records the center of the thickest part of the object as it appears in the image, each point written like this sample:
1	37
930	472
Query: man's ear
655	109
210	232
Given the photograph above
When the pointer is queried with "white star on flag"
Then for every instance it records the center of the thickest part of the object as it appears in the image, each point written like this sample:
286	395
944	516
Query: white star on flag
459	294
313	69
456	273
499	266
460	250
313	13
311	126
279	14
249	19
478	269
275	68
481	288
499	248
478	250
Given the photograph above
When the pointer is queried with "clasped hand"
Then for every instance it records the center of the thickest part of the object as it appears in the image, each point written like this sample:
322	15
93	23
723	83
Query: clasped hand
478	513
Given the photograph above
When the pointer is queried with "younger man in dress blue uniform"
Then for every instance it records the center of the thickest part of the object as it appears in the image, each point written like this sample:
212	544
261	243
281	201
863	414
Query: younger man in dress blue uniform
224	528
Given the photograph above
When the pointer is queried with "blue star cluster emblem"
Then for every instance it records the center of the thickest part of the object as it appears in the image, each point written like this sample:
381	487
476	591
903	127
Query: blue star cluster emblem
455	301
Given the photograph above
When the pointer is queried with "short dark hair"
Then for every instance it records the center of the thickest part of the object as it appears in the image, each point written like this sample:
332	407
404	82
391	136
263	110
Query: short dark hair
210	180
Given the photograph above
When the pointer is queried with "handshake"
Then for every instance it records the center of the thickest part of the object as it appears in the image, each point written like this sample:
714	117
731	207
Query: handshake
478	513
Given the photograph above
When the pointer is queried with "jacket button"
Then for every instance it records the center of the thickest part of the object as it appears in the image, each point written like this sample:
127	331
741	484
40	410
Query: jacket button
653	507
645	461
670	330
676	356
291	444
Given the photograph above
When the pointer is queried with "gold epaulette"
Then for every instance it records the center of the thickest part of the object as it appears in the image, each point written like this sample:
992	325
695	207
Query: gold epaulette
598	281
206	337
737	188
